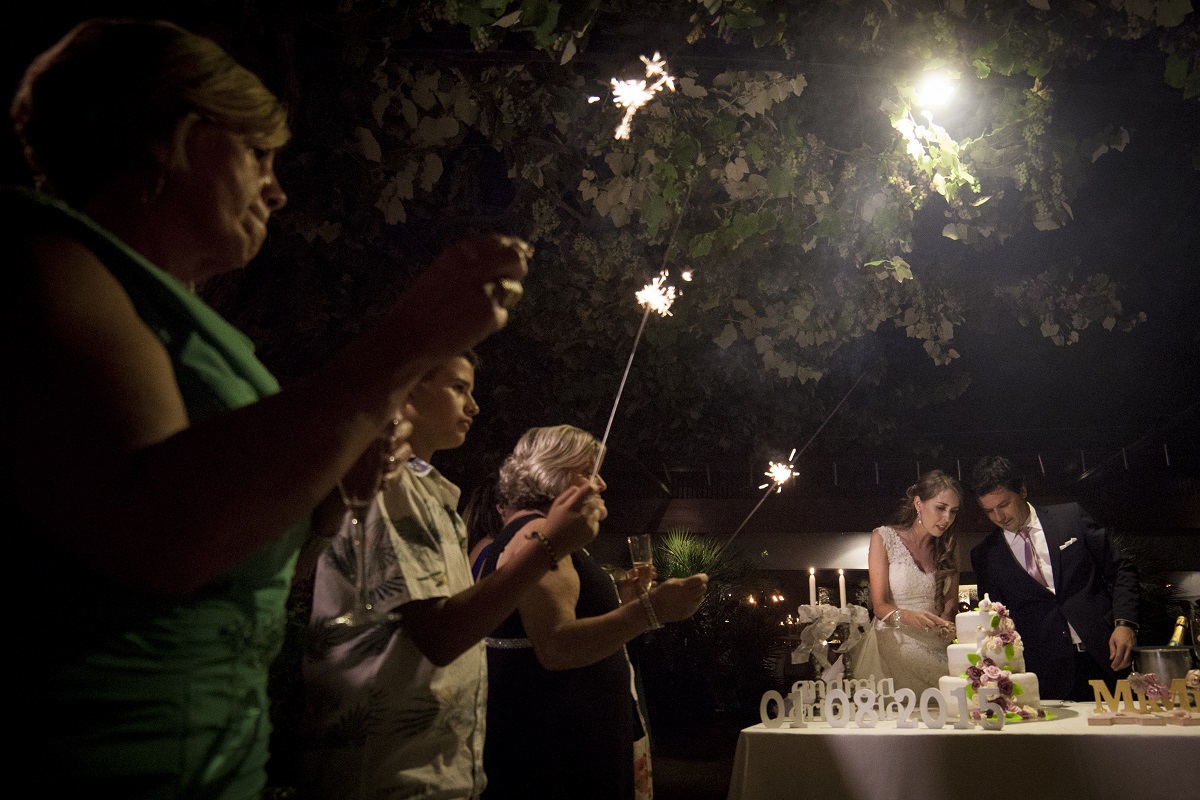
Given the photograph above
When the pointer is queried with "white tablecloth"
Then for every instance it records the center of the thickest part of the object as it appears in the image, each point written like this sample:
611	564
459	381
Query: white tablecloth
1057	759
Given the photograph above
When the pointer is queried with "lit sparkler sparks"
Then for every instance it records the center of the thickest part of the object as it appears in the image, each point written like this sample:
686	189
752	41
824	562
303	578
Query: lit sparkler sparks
658	296
780	473
631	94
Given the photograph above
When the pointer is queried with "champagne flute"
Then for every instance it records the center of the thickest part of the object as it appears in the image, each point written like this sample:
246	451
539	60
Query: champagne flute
641	552
359	506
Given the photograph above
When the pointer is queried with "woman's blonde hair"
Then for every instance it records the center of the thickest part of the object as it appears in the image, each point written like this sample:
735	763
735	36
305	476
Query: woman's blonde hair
543	463
114	97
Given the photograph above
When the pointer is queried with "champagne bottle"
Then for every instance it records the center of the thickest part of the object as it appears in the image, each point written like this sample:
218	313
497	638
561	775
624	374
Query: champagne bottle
1176	639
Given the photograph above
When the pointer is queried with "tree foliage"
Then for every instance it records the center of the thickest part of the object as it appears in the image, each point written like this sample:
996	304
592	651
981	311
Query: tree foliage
793	170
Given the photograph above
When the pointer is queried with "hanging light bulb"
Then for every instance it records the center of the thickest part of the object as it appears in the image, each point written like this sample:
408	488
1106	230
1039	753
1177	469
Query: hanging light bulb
934	90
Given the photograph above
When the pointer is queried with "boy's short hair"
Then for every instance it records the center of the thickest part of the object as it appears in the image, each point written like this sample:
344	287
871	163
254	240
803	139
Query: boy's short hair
468	355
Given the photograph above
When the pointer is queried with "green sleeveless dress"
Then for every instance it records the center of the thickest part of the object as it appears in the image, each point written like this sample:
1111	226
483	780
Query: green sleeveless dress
129	694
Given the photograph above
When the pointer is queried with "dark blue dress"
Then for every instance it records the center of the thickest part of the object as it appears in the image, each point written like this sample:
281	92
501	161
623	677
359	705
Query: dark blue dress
564	733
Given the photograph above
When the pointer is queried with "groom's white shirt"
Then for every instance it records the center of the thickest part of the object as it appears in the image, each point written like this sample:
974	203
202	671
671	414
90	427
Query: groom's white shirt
1041	551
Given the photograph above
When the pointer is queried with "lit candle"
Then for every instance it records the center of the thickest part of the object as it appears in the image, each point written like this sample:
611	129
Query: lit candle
842	588
812	586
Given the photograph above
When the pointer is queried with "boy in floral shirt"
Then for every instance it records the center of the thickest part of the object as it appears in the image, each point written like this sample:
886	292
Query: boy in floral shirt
397	709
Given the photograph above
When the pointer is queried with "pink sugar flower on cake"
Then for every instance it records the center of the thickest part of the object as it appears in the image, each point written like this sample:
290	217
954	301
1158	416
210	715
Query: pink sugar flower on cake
987	673
1029	712
1003	641
1006	637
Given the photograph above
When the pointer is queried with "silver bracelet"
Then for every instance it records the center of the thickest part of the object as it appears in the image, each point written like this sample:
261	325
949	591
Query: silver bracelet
892	619
644	596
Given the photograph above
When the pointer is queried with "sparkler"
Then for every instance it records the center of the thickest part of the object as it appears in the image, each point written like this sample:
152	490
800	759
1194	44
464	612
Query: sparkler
781	473
657	296
633	94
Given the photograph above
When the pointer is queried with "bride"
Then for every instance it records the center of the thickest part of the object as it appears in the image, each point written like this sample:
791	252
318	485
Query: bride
914	587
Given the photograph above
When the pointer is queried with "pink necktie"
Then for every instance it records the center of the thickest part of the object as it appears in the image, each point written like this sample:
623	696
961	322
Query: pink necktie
1031	565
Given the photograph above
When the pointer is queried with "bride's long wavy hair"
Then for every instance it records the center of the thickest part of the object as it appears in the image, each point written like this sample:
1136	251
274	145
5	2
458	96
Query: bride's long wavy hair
945	547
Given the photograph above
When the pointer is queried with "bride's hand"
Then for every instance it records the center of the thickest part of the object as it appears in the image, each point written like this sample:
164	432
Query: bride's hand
922	620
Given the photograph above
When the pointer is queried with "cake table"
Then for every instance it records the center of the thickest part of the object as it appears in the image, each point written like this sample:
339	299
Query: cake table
1051	759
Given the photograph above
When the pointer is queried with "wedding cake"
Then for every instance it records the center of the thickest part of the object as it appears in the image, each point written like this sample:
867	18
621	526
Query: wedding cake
989	652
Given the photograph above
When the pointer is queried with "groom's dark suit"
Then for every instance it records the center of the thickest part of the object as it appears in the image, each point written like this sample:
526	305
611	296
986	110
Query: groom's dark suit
1093	585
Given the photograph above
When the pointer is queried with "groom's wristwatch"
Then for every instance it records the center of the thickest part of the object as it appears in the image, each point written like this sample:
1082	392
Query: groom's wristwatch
1124	623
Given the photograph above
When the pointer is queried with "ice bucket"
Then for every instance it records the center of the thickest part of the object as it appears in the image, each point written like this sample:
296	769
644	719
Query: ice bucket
1167	663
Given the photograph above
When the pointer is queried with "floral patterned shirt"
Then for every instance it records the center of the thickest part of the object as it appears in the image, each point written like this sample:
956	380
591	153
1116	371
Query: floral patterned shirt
381	719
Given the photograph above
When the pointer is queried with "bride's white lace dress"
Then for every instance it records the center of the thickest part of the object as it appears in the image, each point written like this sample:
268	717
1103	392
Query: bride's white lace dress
913	658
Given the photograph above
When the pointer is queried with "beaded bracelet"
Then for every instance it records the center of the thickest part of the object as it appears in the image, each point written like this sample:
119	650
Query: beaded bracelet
546	545
644	596
892	619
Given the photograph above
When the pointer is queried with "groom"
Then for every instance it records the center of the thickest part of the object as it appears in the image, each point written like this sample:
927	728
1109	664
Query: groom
1072	595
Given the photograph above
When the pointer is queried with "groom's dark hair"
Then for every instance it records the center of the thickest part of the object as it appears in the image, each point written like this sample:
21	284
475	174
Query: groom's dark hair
996	472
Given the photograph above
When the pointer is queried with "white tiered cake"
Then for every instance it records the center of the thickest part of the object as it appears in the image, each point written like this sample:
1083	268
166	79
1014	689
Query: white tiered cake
989	652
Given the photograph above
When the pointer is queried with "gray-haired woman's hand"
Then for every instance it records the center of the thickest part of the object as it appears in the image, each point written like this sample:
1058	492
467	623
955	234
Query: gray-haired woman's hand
573	520
678	598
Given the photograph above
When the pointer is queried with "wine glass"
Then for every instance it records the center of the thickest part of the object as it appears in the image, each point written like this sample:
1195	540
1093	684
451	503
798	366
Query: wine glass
359	505
641	552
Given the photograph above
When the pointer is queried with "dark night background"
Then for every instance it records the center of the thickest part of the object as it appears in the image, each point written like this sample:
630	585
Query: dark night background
1136	219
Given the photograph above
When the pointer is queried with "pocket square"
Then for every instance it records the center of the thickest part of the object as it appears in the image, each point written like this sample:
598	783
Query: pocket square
1067	543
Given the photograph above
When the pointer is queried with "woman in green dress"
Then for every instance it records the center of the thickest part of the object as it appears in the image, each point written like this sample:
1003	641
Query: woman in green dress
161	483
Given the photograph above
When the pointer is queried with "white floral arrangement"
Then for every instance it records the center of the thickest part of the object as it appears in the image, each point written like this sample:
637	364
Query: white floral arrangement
820	621
830	613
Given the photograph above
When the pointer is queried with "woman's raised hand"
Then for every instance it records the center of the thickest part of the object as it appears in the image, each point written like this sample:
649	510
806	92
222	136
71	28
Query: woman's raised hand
465	294
380	463
574	518
676	599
